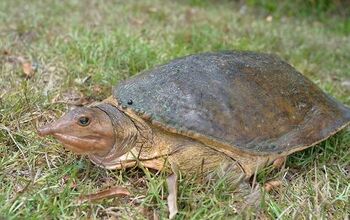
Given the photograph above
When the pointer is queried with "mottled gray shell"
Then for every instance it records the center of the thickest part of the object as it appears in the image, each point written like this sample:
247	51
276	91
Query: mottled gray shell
250	101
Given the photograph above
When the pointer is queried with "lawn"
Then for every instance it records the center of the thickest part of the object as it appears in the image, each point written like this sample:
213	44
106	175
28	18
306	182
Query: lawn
56	55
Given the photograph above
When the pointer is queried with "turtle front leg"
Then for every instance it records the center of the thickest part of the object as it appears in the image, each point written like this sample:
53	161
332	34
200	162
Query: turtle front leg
196	160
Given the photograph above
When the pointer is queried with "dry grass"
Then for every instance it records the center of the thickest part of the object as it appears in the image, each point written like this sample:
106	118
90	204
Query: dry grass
79	50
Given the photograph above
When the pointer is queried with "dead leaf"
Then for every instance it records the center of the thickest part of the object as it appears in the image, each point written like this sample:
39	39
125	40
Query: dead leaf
72	97
82	81
146	212
190	14
6	52
172	197
97	89
269	18
346	84
104	194
27	66
273	184
137	22
152	10
155	215
83	101
28	69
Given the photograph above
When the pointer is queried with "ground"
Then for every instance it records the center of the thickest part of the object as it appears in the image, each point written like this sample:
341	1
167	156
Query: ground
64	53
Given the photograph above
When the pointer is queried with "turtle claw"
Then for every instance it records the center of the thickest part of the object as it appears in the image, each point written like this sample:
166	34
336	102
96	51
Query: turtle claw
279	162
272	184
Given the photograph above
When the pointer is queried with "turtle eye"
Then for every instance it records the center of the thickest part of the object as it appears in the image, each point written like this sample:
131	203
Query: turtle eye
84	121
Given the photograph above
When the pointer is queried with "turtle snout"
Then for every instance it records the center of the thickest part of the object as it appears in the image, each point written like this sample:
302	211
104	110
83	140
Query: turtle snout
45	130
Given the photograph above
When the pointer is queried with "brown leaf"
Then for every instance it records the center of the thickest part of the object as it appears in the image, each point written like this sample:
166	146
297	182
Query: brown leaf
273	184
84	80
190	14
72	97
269	18
104	194
146	212
136	21
172	197
155	215
153	9
97	89
6	52
346	84
27	69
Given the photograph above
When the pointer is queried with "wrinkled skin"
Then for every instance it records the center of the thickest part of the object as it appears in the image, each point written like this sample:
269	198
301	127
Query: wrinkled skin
83	131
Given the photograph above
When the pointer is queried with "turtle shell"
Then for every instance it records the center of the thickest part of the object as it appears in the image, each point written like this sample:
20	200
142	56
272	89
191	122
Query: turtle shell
252	102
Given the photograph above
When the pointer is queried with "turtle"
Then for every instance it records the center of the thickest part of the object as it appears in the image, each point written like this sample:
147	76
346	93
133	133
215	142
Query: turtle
232	111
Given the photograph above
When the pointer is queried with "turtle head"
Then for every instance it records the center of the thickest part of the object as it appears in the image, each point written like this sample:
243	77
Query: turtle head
84	130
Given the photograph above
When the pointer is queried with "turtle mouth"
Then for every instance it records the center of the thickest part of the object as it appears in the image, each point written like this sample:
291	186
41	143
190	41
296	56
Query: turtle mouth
75	149
80	145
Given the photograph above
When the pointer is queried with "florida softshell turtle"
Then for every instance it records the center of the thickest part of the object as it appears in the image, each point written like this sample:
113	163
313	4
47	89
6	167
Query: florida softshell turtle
235	111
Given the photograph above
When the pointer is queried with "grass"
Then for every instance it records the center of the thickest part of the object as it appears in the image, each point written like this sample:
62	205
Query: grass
80	50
